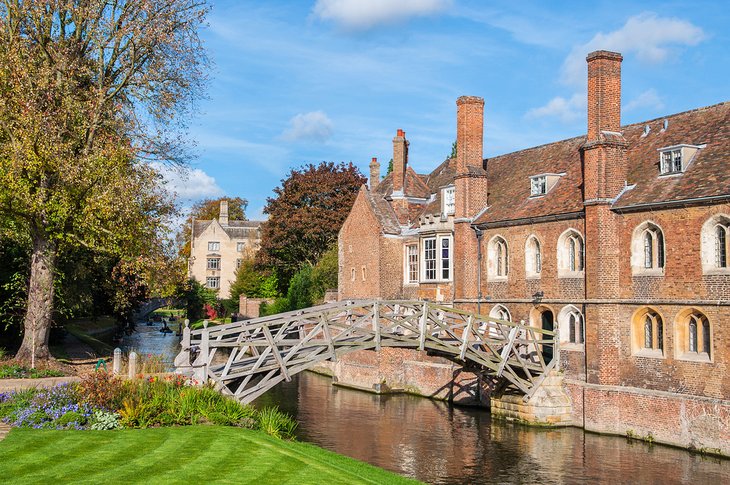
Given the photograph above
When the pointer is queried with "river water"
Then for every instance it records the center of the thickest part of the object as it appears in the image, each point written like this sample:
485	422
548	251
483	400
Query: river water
438	443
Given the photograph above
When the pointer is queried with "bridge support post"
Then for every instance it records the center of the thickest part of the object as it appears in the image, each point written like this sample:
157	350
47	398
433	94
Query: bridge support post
423	327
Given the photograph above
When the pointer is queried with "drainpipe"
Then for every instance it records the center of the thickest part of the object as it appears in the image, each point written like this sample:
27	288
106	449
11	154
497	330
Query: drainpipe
479	233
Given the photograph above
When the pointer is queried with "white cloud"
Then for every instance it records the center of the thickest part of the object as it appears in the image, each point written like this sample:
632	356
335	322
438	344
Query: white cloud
315	126
647	99
567	110
188	184
646	35
364	15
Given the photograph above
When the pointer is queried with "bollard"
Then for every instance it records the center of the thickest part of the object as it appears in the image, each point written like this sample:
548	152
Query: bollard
117	365
132	365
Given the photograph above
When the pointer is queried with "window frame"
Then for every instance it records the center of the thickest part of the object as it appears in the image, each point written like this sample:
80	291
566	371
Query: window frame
240	246
648	250
215	279
213	267
438	260
411	266
571	254
694	346
533	257
714	248
448	196
539	182
214	245
648	332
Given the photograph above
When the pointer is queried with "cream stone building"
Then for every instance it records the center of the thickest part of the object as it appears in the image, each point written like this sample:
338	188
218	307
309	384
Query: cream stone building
218	247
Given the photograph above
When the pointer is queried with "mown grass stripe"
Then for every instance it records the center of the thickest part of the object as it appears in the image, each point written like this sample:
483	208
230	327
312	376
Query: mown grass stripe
175	455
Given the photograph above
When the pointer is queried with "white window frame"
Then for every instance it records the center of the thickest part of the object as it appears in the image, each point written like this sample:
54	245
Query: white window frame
240	246
411	260
213	263
670	161
571	258
538	185
449	201
214	245
439	262
498	265
213	282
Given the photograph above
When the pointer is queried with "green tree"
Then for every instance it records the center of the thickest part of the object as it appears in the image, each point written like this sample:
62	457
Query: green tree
453	150
390	167
305	216
324	274
88	90
254	283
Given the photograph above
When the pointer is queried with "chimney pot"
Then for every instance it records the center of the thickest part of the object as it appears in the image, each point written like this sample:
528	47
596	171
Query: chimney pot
374	173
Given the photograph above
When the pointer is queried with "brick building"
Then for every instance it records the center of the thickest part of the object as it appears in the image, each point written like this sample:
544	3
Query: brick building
617	239
218	247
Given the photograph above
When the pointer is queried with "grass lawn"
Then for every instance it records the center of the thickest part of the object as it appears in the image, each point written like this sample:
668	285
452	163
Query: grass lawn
193	454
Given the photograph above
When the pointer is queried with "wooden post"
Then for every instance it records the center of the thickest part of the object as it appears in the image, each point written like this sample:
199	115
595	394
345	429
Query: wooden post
376	325
465	337
424	327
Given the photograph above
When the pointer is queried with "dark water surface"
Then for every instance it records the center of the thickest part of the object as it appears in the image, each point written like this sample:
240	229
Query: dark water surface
438	443
149	340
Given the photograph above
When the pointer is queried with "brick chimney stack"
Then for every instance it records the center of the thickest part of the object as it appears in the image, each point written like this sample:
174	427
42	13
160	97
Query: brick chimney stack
374	173
604	93
223	215
400	161
469	133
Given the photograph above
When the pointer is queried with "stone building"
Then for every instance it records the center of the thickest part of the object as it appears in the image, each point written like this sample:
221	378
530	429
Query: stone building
218	247
617	239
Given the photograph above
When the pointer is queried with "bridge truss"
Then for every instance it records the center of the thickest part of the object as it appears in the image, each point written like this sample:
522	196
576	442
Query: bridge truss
255	355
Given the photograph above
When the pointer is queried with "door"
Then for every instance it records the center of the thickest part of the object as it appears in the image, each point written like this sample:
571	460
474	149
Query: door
547	324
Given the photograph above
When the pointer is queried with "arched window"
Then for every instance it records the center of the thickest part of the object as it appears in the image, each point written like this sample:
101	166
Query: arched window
570	253
533	257
648	333
570	322
693	335
647	249
500	312
498	258
715	244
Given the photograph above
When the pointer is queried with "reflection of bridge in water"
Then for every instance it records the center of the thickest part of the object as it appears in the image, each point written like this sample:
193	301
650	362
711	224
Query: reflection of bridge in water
264	351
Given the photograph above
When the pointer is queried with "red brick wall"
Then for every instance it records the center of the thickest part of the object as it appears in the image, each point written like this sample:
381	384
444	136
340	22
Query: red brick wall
359	247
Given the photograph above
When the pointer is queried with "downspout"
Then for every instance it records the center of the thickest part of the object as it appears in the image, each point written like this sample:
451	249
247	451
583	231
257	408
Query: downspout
479	233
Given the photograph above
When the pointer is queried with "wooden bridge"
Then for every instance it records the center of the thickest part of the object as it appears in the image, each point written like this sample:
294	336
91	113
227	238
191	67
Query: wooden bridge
255	355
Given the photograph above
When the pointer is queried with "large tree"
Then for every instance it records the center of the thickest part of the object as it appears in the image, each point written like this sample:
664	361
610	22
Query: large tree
88	90
306	214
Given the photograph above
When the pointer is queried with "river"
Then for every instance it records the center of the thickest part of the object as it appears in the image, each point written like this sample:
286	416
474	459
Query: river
438	443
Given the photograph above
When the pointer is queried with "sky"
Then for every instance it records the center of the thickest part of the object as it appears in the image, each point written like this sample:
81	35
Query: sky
299	82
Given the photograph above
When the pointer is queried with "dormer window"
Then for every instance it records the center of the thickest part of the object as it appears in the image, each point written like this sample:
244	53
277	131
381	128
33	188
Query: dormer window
449	196
671	161
543	183
675	159
538	185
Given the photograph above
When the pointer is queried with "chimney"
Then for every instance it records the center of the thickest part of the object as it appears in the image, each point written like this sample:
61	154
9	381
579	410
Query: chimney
604	93
374	173
469	133
223	217
400	161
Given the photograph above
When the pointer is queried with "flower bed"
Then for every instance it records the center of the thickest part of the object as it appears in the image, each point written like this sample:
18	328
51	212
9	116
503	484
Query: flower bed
17	371
101	401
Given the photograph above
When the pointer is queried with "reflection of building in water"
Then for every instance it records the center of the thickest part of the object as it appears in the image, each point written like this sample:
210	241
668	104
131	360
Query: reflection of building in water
618	240
436	443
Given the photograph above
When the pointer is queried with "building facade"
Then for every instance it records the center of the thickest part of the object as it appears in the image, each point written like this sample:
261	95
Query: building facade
618	240
218	247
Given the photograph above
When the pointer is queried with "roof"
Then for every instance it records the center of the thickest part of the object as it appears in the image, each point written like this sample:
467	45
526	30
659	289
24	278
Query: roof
706	176
234	229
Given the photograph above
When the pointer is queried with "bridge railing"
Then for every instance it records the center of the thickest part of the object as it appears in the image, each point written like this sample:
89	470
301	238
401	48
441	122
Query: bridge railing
267	350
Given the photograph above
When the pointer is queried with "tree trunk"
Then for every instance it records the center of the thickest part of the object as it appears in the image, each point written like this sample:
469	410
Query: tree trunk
40	301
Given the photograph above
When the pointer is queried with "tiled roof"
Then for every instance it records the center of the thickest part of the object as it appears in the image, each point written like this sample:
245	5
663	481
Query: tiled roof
383	212
708	175
234	229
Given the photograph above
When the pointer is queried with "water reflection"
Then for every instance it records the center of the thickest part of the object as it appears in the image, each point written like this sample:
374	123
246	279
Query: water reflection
438	443
149	340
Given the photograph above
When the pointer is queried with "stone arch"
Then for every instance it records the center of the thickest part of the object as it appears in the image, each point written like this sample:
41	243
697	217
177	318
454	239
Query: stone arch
571	253
648	249
571	325
497	258
715	245
693	335
533	257
648	332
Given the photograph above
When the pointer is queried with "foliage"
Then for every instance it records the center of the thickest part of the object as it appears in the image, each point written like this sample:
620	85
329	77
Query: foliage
324	274
102	420
195	297
305	216
3	353
17	371
300	289
275	423
253	282
453	150
87	91
55	408
206	210
390	167
101	390
280	305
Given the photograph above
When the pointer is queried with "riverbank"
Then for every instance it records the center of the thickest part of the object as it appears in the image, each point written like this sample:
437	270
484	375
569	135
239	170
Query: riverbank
194	454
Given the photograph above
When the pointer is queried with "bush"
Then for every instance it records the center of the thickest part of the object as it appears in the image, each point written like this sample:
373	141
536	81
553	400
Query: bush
101	389
299	293
280	305
103	420
275	423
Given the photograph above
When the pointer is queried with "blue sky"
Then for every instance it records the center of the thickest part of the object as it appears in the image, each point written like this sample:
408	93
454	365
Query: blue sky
296	82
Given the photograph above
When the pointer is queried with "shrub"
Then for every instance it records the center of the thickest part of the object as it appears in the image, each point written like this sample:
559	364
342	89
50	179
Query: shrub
47	408
3	353
16	371
275	423
71	419
103	420
102	389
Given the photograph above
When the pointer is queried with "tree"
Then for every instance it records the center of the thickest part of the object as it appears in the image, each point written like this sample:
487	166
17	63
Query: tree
254	283
324	274
390	167
208	209
453	150
88	91
306	215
